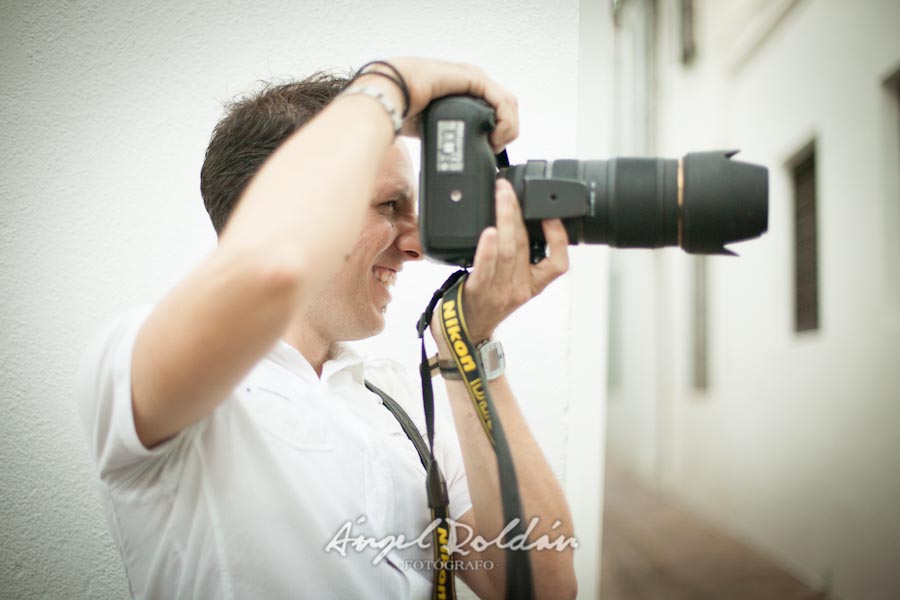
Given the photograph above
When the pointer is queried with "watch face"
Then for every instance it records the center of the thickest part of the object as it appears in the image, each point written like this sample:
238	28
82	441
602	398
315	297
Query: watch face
492	359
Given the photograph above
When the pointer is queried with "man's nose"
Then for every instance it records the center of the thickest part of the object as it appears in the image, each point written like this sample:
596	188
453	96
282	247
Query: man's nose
408	241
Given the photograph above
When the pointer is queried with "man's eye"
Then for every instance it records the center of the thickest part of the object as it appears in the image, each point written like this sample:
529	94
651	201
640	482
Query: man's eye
390	206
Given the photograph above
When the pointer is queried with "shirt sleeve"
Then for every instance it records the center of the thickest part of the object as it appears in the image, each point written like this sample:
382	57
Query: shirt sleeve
103	395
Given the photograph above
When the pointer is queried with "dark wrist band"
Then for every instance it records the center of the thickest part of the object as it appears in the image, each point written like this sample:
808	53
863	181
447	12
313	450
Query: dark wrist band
448	370
397	78
492	358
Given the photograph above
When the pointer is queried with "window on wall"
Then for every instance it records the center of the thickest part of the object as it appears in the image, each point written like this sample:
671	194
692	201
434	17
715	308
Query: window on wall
700	350
889	154
894	82
688	38
806	255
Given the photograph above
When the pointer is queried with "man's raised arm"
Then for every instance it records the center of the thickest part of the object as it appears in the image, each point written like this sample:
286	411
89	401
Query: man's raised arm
294	224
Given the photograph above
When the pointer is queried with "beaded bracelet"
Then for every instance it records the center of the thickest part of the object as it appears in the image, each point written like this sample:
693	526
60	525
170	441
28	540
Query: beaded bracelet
377	94
397	78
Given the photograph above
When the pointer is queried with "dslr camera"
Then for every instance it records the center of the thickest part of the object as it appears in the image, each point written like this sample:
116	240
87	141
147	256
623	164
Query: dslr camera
699	202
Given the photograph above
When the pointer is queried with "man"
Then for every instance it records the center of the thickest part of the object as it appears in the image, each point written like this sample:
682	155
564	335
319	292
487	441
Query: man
233	433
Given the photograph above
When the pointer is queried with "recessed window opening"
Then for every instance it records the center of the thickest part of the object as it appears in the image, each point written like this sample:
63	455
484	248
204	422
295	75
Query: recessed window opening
806	254
890	154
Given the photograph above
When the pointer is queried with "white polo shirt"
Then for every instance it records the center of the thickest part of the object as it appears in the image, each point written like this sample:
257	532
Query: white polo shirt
244	503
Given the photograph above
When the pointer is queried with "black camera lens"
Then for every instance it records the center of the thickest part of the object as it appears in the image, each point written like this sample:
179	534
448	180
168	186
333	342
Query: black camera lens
700	202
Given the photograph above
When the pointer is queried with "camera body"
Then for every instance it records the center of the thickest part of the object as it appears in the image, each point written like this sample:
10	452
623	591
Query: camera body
456	195
699	202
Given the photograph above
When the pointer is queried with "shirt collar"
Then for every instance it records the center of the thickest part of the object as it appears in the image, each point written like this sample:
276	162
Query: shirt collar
344	359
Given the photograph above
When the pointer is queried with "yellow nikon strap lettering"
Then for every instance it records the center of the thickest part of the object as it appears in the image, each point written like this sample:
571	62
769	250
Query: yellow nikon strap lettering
519	584
456	334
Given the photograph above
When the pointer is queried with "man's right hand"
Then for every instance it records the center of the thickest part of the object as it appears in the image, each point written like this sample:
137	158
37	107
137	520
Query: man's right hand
429	80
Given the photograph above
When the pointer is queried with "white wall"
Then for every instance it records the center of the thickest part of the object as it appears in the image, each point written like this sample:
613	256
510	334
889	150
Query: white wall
795	448
106	109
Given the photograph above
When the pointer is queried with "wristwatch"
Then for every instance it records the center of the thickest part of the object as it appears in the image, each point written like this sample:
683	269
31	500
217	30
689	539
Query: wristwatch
490	352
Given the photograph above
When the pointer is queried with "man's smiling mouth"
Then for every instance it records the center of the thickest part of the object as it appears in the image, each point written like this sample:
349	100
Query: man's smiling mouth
386	277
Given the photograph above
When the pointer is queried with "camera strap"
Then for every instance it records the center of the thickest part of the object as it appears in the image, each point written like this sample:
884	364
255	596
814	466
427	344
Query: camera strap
438	500
468	363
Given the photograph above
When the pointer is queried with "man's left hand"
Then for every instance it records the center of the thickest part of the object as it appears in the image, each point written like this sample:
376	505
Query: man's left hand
502	277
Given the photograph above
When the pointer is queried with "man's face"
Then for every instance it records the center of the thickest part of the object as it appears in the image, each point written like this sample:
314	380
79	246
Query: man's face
352	305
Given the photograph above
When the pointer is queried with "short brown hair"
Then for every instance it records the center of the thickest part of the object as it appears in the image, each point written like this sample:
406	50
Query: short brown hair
252	128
